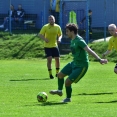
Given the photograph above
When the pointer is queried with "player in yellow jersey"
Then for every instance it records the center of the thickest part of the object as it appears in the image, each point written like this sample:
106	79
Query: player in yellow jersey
51	33
112	42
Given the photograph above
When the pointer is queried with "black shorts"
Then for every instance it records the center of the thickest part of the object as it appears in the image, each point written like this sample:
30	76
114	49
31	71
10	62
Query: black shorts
54	52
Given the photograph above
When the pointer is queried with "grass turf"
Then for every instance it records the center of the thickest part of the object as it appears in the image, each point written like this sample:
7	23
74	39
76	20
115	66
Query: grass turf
21	80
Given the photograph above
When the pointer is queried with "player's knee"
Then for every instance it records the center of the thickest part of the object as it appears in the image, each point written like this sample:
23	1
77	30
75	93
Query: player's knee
59	75
68	82
115	70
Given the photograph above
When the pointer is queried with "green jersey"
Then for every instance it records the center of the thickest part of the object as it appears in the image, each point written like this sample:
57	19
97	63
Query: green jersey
80	56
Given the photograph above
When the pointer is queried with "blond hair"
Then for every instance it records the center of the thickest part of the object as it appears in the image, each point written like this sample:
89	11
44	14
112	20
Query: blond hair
112	26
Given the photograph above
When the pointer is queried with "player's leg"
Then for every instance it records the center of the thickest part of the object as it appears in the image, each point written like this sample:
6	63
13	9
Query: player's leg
75	76
90	33
115	69
56	55
6	20
65	71
68	87
60	85
49	61
57	65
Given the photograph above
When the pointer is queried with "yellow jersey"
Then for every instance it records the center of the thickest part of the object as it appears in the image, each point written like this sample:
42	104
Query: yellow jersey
112	43
51	33
57	5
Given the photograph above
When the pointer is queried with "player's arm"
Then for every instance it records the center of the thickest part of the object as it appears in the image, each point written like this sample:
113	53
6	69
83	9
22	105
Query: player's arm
59	35
106	53
110	47
83	20
43	38
59	38
90	51
42	34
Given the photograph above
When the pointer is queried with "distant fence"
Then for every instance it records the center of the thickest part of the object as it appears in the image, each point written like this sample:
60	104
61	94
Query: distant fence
38	8
104	13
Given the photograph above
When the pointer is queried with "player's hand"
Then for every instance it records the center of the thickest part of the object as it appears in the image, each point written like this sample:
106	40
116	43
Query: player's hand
46	40
103	61
58	42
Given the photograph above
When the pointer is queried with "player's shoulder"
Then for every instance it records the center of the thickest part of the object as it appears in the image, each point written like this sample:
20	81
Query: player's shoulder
56	25
111	38
79	38
45	26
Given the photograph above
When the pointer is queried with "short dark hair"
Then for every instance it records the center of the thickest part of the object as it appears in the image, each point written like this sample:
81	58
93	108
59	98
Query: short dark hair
72	27
90	11
12	5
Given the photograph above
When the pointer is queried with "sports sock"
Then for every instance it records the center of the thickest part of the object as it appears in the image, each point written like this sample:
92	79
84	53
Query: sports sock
68	91
60	83
57	70
50	71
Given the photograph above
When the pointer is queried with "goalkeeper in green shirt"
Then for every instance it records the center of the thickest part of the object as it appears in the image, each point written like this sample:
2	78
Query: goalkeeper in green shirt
76	69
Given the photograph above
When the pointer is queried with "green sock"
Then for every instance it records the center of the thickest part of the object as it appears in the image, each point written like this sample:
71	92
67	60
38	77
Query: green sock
60	83
68	91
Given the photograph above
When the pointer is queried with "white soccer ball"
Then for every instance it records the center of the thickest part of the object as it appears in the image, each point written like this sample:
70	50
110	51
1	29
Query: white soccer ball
42	97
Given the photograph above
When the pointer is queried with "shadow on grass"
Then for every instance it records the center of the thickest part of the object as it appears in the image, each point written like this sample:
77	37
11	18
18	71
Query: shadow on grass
114	101
47	103
30	79
85	94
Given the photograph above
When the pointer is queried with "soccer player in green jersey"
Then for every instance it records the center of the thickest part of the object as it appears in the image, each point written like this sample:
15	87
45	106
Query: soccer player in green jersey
112	42
51	34
76	69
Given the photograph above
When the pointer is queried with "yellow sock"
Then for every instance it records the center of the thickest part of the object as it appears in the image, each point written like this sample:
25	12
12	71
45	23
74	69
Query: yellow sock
57	70
50	71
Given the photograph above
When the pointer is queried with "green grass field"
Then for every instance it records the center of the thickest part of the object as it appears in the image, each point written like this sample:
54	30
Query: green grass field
21	80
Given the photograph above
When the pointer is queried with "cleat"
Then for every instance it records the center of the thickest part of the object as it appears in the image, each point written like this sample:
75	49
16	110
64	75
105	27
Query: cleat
56	92
66	100
51	77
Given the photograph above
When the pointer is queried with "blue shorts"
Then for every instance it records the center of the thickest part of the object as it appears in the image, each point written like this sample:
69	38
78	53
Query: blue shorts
54	52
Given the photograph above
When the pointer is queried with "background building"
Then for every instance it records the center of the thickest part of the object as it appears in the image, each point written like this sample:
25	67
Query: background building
103	10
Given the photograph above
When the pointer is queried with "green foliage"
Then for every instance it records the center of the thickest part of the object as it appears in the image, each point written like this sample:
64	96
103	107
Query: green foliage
20	46
97	34
67	56
100	48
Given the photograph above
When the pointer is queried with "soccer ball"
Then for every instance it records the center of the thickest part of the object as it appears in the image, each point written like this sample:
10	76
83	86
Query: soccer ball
42	97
